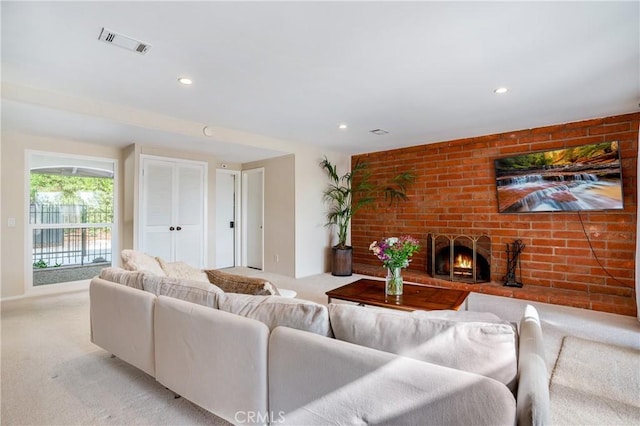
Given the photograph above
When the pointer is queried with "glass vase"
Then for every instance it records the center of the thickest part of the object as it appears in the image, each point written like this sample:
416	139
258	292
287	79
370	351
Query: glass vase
393	285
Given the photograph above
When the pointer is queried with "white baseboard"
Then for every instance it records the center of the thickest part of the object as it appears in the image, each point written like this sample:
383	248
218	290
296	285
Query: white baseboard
51	289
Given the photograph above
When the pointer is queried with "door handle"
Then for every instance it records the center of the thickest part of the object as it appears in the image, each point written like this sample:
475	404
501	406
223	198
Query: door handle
179	228
171	228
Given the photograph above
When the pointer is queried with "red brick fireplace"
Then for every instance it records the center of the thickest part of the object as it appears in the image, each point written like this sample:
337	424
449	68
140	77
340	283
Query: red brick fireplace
455	193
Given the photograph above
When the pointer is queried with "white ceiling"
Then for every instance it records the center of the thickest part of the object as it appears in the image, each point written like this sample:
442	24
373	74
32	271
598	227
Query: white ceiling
293	71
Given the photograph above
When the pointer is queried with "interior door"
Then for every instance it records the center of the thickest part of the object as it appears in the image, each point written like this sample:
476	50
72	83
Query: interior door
189	221
157	208
254	212
226	226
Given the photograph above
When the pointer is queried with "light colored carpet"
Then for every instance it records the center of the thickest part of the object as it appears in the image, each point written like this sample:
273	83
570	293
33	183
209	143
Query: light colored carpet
595	384
53	375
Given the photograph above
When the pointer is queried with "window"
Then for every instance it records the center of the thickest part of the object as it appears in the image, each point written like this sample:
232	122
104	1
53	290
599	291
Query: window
71	216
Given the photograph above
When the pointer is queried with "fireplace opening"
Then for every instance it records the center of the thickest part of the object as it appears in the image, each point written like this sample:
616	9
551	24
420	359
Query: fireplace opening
459	258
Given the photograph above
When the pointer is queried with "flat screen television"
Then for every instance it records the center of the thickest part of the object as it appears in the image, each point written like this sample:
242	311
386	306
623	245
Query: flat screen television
581	178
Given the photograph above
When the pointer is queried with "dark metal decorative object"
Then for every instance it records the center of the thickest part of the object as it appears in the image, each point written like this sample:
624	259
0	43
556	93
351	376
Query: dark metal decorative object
462	258
513	262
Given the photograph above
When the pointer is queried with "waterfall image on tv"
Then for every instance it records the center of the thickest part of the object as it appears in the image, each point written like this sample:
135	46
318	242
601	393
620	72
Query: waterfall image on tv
587	177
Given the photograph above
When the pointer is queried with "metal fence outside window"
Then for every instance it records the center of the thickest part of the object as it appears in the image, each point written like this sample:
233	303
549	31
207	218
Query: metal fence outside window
72	244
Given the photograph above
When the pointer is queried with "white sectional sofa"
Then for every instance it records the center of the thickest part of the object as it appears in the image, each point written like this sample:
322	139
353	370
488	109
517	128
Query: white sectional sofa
268	359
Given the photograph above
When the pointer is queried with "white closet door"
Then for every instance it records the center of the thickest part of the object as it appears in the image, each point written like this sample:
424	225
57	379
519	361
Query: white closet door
173	209
157	208
190	218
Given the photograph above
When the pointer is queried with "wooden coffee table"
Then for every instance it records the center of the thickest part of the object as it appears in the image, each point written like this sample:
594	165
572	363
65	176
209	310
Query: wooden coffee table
415	297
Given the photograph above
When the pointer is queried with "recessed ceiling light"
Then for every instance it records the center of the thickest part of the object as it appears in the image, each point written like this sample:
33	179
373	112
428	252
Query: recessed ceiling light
501	90
342	126
186	81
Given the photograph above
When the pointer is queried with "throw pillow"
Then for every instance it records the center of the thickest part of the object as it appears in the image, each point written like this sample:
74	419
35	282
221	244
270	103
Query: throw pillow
231	283
481	347
198	292
121	276
133	260
277	311
182	270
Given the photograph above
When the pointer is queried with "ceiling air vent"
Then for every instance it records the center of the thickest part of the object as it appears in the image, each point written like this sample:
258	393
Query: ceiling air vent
379	132
124	41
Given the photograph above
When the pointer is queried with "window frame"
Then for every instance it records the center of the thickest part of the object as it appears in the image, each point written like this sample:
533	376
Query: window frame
29	227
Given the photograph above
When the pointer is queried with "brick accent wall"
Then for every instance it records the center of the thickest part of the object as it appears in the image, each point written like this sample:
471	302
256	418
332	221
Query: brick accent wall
455	193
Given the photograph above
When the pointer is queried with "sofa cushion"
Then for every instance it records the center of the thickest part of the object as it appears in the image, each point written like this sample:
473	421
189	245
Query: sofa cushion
231	283
533	384
182	270
319	381
205	294
214	359
122	276
133	260
481	347
279	311
458	316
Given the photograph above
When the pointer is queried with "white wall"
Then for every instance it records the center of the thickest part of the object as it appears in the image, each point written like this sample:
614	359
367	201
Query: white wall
313	238
295	214
14	195
279	214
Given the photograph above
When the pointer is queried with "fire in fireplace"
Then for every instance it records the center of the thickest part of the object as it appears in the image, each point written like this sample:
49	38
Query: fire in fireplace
459	257
463	265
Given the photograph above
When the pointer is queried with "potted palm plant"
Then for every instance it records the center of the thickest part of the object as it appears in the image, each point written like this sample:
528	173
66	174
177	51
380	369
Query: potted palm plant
342	205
